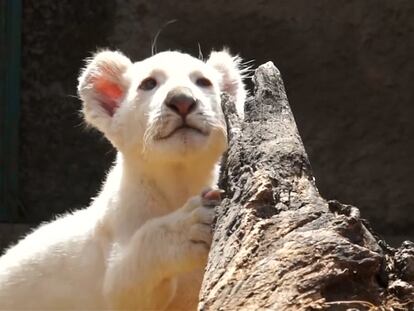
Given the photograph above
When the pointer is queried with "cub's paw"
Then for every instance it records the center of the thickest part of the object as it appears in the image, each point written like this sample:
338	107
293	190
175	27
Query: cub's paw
201	211
194	222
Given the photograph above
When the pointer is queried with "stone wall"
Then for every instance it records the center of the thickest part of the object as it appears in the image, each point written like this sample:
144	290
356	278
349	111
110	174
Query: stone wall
347	66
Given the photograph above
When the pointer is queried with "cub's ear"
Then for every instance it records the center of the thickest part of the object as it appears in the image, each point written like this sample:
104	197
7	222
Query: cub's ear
231	73
102	87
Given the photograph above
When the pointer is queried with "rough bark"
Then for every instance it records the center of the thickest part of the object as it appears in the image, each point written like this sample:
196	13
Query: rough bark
278	244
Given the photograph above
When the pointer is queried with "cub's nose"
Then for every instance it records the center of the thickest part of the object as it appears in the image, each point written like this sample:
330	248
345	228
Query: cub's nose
181	101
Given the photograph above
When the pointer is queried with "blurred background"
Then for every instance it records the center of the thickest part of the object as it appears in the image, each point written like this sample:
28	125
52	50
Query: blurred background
347	65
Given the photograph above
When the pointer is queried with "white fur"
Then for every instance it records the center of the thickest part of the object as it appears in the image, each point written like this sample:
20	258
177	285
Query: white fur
144	240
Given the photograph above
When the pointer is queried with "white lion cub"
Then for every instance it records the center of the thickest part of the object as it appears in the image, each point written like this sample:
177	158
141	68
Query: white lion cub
143	242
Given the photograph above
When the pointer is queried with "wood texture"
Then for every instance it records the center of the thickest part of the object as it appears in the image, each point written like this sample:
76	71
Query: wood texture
278	244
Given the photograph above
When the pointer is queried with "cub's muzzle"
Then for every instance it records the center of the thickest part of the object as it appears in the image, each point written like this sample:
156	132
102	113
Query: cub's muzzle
181	101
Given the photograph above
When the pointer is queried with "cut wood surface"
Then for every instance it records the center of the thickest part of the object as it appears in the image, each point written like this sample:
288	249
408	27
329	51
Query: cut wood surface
279	245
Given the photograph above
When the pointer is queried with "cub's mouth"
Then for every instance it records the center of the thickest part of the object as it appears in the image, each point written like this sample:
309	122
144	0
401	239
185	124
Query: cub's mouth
184	128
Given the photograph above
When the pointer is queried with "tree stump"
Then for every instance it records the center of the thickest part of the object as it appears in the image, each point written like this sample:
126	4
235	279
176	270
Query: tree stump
278	245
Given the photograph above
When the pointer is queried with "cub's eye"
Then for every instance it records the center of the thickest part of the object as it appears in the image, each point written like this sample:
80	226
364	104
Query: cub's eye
148	84
203	82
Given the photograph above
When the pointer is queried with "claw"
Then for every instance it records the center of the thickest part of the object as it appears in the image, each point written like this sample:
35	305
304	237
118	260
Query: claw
211	198
212	194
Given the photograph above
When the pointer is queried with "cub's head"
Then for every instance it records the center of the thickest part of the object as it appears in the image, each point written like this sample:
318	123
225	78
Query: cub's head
166	107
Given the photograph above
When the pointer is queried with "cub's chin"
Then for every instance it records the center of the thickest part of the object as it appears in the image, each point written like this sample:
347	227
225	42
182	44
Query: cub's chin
183	141
186	144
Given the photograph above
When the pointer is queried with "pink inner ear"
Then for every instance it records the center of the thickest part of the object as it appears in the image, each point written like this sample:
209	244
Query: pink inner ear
110	94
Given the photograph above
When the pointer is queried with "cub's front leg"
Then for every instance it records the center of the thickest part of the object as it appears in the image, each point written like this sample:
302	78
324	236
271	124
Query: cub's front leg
143	274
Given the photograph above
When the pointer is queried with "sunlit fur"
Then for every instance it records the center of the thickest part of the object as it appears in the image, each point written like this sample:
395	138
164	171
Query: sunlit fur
143	242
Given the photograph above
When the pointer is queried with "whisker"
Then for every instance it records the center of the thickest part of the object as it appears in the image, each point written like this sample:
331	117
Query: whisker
200	53
154	42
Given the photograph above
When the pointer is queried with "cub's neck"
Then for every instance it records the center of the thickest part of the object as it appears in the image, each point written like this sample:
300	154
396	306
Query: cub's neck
137	190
